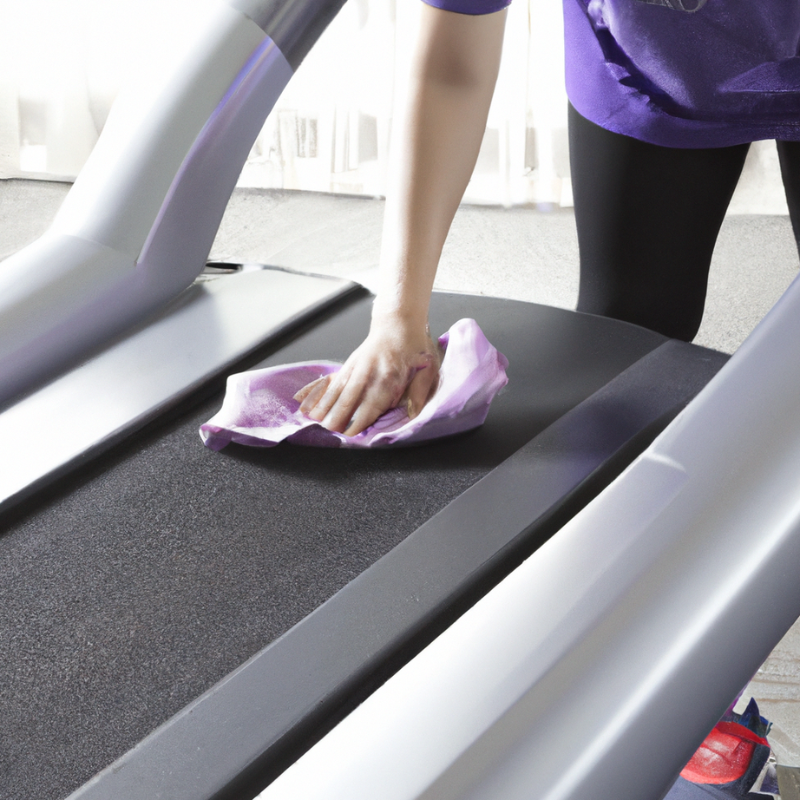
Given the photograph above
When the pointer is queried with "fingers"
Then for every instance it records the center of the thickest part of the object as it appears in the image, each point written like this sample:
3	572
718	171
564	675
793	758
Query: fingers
318	397
336	409
331	400
377	377
421	388
311	392
349	404
318	404
378	398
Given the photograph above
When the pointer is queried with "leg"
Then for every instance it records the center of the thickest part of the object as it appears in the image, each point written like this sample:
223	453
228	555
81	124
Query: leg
789	154
648	219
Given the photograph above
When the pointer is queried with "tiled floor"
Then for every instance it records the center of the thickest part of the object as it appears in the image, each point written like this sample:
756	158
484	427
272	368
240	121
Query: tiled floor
517	253
776	688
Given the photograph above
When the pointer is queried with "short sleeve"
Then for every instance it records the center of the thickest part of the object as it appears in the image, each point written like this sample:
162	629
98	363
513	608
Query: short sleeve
473	7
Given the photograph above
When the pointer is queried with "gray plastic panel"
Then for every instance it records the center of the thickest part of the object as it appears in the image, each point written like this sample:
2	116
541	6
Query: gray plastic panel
245	730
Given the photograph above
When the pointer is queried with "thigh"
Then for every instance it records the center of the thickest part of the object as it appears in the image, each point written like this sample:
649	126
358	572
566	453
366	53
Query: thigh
648	219
789	154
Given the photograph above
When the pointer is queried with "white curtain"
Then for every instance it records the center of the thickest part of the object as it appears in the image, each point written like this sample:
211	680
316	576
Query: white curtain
332	128
62	62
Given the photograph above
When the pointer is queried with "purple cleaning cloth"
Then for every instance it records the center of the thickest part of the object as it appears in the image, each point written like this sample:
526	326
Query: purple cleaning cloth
260	410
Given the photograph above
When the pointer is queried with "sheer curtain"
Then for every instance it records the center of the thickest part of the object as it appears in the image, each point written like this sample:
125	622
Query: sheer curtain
62	62
332	128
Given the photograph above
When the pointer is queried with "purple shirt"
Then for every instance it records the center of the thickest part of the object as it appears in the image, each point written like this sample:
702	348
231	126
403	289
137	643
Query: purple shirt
680	73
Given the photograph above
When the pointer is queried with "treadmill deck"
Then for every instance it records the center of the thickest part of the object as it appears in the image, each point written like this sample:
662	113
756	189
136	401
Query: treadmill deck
133	586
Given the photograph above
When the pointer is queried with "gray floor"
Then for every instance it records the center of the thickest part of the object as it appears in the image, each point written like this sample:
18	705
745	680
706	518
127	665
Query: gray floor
517	253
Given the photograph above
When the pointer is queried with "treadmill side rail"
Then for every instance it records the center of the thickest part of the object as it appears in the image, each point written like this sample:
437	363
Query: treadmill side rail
597	668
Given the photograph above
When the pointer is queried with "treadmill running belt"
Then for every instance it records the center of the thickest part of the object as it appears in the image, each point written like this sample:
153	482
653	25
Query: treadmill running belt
132	587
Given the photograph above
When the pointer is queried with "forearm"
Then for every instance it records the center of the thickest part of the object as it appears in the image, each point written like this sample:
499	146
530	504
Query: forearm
435	147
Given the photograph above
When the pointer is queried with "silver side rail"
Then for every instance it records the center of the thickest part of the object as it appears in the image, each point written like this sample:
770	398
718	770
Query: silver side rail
597	668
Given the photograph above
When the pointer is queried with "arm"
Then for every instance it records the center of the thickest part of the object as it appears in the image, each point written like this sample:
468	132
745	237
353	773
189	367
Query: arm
453	74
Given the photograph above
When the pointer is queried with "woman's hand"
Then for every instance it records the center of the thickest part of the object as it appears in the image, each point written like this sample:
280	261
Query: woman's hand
397	363
439	131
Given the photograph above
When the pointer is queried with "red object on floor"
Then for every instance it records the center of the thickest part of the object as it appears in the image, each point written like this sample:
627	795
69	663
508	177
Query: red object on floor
724	755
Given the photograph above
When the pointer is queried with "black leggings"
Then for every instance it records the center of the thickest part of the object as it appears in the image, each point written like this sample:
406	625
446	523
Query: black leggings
648	219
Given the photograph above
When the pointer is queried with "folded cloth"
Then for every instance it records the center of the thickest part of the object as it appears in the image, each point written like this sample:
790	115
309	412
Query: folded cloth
259	407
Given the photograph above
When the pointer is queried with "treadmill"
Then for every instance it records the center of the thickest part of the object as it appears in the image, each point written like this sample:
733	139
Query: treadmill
186	624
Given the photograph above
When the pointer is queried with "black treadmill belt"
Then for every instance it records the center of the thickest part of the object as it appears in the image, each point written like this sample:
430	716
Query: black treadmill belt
141	582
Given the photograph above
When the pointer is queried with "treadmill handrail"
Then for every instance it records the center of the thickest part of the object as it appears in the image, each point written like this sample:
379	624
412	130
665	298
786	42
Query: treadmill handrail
137	227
